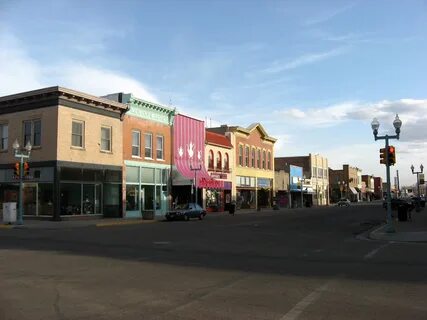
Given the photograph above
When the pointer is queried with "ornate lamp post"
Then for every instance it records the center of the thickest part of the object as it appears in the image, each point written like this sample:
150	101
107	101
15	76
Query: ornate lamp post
397	123
21	155
342	185
418	180
195	167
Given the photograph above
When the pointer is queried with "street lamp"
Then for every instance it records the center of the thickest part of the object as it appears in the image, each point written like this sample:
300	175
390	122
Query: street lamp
195	169
418	180
397	123
21	155
342	185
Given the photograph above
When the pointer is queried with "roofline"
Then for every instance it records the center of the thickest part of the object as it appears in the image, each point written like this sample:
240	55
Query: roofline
65	91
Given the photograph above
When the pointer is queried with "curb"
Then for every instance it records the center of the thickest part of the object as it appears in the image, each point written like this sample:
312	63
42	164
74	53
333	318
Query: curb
123	223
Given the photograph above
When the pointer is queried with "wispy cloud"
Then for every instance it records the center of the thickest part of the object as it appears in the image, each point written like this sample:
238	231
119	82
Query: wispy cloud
306	59
327	15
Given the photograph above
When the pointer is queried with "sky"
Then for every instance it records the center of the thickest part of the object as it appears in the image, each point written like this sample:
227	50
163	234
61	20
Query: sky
313	73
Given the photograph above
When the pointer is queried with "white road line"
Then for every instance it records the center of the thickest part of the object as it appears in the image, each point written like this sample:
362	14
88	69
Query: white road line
295	312
374	252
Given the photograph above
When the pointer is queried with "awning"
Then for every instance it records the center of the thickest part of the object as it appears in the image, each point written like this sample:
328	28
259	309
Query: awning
189	151
353	190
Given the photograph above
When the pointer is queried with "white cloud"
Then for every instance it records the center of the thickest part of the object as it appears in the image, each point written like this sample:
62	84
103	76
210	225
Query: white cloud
20	72
328	15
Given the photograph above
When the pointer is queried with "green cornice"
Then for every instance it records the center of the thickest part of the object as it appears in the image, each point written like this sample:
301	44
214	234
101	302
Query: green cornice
150	110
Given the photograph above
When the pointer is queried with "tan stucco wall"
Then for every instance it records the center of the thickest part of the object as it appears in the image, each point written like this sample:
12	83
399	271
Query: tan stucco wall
320	185
47	149
91	153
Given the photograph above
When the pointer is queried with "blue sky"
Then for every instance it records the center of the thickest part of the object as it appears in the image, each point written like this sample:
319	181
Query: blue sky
314	73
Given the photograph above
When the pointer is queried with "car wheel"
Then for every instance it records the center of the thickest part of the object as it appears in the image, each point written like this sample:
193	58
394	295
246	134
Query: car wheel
168	218
187	218
201	216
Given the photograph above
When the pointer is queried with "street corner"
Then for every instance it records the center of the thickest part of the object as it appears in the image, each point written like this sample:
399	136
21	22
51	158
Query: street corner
123	223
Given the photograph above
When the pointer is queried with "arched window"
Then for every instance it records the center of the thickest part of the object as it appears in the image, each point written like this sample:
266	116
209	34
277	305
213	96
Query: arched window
226	167
258	160
263	159
247	156
219	161
253	158
211	160
241	155
269	160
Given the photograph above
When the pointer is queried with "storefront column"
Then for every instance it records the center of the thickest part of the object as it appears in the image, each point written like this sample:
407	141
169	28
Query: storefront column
56	194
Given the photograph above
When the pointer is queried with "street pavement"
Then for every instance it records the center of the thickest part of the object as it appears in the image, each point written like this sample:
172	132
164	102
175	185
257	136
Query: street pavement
314	263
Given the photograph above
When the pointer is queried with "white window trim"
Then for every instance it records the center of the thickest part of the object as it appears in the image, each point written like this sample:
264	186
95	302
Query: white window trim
2	125
110	139
151	147
83	134
163	147
139	144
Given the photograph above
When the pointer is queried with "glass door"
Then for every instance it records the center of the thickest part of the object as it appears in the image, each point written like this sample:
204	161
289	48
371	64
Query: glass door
30	199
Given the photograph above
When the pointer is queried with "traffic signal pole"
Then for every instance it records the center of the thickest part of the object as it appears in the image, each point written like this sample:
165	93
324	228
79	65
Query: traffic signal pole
390	227
20	219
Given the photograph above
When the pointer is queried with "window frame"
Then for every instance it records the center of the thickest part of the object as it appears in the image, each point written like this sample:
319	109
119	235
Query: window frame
110	138
226	162
211	160
4	141
263	159
219	161
269	160
162	144
82	123
247	156
138	155
150	147
253	152
240	155
32	135
259	159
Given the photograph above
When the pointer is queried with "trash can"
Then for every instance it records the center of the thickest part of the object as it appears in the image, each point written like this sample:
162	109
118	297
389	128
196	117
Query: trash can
9	212
402	213
232	208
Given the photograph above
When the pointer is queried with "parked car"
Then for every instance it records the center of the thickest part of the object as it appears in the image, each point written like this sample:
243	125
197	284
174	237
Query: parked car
186	212
343	203
395	203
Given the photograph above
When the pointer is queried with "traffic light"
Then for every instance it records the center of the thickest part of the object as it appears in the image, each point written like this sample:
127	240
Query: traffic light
16	169
391	155
383	156
26	169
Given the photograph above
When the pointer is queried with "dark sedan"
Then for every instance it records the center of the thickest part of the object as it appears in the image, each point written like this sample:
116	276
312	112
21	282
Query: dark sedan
186	212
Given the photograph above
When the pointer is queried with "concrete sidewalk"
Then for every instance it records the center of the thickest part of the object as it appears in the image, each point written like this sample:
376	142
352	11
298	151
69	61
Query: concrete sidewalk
67	224
406	231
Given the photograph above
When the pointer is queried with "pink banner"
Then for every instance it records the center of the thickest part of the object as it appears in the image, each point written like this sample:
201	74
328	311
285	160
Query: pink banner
189	151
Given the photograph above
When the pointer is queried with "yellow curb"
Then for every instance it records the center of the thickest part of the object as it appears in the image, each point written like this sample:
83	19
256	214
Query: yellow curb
123	223
6	226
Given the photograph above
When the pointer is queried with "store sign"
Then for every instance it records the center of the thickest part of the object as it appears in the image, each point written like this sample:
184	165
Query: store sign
217	175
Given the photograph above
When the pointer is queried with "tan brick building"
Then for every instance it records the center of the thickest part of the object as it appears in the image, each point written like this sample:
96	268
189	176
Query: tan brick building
253	172
76	159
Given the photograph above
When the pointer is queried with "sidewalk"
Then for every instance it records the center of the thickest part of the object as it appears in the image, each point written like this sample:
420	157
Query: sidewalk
67	224
406	231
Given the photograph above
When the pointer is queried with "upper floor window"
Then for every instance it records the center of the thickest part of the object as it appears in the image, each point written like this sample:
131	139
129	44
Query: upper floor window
226	162
258	160
314	172
159	148
263	159
241	155
269	160
77	133
106	138
33	132
219	161
211	160
136	143
148	145
4	136
247	156
253	158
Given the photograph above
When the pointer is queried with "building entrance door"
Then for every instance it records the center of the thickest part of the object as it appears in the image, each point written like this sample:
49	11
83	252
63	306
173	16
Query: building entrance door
30	199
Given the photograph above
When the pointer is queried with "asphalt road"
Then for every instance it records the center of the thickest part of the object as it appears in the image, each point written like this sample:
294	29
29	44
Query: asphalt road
282	265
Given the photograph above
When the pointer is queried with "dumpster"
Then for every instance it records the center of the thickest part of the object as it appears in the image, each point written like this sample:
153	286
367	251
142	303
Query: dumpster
402	213
9	212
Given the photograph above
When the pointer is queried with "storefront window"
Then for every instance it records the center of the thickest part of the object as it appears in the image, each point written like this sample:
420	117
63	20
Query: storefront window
112	200
132	174
45	197
132	197
148	197
147	175
91	198
71	198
